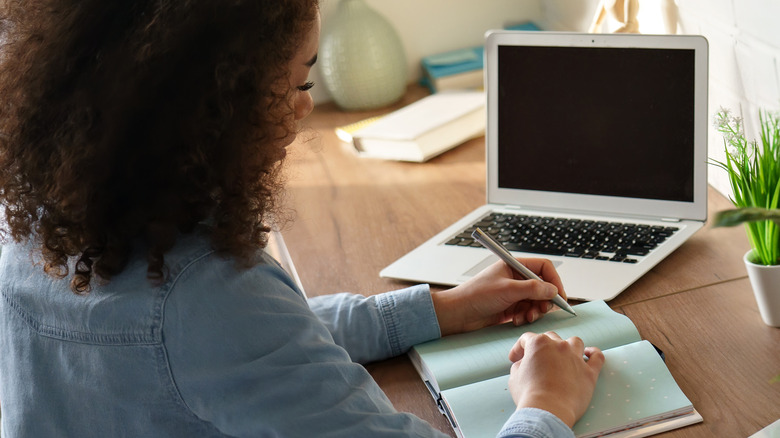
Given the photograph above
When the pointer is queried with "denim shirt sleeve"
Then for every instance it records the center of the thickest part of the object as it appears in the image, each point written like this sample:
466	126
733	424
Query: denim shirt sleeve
535	423
380	326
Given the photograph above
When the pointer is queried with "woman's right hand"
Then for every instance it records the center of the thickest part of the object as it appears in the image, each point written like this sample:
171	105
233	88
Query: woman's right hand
552	374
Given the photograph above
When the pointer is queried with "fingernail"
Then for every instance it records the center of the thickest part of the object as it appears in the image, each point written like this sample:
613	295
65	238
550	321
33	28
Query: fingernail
549	306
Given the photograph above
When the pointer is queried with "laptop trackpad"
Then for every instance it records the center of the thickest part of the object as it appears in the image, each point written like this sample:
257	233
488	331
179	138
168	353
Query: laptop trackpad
487	261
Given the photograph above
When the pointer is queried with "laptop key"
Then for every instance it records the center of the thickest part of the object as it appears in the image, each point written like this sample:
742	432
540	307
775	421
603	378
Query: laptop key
535	249
636	251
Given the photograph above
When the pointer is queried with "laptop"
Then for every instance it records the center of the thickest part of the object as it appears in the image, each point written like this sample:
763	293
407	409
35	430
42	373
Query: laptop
597	139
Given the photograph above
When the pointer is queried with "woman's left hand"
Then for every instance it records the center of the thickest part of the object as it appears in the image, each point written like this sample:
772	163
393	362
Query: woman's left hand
498	295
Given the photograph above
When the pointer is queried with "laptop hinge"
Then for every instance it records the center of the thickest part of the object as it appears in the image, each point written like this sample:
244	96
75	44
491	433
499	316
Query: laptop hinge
521	208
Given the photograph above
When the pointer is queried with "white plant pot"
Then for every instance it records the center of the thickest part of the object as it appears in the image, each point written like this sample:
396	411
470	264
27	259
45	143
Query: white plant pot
766	288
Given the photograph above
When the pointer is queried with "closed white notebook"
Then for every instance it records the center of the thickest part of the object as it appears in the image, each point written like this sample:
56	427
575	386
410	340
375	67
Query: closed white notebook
424	129
428	113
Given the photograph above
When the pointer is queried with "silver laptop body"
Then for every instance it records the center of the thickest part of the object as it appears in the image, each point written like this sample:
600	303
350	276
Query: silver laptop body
591	128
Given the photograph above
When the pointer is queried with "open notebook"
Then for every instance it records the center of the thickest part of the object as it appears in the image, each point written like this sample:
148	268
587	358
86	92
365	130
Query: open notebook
596	158
636	394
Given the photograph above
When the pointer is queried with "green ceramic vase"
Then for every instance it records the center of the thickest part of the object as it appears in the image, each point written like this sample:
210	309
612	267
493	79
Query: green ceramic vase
361	58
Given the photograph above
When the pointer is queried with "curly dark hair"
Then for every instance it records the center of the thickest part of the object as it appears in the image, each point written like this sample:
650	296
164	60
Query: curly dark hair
133	121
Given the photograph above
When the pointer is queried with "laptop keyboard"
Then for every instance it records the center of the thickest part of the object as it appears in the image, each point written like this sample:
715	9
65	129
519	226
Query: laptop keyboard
598	240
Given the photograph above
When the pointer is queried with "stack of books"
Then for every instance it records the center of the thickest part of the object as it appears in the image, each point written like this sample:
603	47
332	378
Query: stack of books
459	69
455	70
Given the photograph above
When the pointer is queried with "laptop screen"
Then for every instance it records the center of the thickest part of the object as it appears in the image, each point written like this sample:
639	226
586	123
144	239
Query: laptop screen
598	121
608	124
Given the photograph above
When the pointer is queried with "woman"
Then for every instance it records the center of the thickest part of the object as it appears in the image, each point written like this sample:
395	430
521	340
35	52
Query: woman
140	153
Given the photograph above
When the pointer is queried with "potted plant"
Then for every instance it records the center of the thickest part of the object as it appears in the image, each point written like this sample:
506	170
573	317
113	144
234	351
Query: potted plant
754	174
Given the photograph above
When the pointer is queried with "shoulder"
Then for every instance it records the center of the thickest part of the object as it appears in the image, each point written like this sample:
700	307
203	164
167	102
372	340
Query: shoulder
214	307
199	278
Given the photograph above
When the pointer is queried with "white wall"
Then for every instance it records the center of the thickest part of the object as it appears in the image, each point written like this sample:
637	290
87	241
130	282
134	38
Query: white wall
744	38
434	26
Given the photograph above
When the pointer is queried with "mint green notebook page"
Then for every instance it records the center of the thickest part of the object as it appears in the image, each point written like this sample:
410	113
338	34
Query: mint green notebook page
634	388
472	357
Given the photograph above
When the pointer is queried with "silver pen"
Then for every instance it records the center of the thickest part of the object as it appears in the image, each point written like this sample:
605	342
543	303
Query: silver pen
498	249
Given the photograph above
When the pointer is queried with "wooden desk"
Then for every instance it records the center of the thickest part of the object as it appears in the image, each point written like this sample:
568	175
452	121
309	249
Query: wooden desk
354	216
719	352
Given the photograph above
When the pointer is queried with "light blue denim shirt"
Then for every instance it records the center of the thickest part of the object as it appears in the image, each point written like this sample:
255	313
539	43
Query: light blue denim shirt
213	352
